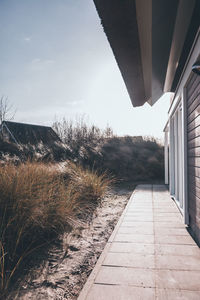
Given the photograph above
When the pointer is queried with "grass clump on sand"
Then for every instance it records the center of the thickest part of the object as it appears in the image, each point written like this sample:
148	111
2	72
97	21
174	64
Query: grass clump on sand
37	203
86	186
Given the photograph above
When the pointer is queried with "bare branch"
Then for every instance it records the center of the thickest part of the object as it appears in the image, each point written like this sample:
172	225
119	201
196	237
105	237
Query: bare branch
7	112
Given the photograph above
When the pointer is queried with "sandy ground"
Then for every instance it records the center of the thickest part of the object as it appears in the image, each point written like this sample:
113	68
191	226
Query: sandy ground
68	264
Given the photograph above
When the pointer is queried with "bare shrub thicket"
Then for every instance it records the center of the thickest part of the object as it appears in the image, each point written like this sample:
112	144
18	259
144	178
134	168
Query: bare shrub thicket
7	113
78	132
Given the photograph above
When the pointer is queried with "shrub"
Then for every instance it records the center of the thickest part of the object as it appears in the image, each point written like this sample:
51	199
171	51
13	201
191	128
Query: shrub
127	158
78	133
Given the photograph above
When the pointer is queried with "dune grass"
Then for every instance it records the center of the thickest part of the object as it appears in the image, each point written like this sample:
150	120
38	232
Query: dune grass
37	203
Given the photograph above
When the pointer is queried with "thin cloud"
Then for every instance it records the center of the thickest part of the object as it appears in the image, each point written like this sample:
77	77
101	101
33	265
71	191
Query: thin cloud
27	39
75	102
38	64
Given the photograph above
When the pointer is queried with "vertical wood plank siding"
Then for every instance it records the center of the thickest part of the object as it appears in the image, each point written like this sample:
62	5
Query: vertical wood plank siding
193	152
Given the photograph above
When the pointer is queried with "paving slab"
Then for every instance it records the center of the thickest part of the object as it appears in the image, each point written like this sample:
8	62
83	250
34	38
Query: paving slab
140	209
174	239
166	214
150	254
110	292
164	224
126	276
170	231
139	218
131	260
133	248
136	230
186	250
177	218
178	279
168	294
137	238
165	209
177	262
137	224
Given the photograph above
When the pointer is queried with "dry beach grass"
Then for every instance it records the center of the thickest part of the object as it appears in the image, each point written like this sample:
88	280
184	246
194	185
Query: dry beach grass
38	203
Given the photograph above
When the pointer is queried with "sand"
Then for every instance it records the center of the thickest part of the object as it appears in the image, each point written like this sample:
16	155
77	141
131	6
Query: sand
69	262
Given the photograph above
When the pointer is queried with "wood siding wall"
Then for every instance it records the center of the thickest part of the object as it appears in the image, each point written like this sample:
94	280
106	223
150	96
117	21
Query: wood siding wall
193	137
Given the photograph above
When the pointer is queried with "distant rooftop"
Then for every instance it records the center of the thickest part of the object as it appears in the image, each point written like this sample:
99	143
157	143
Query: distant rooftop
23	133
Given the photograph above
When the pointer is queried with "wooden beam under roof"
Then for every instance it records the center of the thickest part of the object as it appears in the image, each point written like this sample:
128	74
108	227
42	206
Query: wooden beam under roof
120	25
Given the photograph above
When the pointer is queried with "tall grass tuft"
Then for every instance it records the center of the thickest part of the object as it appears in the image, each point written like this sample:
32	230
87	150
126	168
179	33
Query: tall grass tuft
37	203
87	185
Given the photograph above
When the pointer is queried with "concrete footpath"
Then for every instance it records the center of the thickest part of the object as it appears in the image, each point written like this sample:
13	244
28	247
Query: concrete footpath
150	254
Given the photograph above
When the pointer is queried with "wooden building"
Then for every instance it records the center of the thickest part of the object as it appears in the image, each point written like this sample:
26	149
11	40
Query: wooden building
156	44
27	134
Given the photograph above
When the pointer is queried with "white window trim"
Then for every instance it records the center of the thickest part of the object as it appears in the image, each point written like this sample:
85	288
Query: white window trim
171	157
177	155
185	162
166	156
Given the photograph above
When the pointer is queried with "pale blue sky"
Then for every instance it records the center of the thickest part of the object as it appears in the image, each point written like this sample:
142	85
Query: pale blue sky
56	60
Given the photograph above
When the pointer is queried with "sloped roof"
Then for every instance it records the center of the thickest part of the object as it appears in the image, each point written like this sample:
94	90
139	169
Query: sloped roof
151	41
31	134
119	22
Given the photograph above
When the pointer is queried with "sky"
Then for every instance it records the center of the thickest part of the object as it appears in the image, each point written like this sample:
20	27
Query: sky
55	62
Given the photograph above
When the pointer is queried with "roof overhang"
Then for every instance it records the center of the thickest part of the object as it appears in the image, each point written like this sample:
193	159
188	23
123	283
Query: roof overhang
150	41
